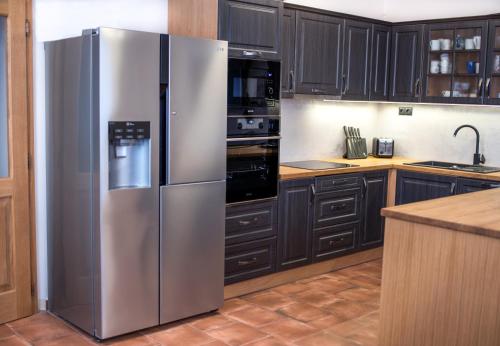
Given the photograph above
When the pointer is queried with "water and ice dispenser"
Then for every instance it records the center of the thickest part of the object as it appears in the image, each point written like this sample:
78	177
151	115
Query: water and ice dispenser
129	154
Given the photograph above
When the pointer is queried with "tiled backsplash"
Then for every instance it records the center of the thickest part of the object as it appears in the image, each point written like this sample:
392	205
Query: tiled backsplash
312	129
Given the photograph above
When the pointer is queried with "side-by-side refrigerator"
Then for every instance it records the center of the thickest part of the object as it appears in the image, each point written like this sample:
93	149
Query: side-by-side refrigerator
136	158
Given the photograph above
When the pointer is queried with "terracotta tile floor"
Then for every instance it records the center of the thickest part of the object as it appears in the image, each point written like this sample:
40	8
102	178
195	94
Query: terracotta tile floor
338	308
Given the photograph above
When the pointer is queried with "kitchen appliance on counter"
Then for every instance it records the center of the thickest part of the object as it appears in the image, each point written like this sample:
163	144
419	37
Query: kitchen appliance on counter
383	147
355	144
136	160
317	165
252	158
253	87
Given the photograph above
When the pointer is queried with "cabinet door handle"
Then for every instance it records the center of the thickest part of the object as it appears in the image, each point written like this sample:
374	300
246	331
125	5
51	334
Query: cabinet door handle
338	207
251	53
292	81
344	84
452	190
365	187
247	262
489	186
313	193
488	85
417	86
332	242
480	90
314	90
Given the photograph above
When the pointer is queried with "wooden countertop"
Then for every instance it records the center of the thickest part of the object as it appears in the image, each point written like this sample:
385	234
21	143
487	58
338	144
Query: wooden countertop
373	164
477	212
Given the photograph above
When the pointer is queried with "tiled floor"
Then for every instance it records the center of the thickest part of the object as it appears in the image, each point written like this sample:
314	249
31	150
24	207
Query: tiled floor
338	308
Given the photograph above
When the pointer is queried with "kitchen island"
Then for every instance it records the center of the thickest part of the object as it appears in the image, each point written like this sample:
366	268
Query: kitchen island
441	272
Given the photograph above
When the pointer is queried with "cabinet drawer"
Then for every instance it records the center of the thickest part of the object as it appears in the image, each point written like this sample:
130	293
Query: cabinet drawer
333	241
337	207
336	182
248	260
250	221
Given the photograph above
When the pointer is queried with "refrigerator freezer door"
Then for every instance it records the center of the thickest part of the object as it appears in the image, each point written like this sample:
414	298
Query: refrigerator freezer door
127	284
192	249
197	110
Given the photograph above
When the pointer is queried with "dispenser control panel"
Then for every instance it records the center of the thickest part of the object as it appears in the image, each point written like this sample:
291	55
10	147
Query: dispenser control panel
128	130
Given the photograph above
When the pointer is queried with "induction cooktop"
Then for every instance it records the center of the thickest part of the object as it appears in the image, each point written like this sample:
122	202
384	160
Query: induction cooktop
317	165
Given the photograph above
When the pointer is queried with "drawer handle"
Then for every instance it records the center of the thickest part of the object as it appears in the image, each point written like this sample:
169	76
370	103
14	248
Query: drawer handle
251	53
247	222
247	262
338	207
332	242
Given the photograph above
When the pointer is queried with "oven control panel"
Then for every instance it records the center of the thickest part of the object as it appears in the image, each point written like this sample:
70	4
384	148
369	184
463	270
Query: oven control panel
253	126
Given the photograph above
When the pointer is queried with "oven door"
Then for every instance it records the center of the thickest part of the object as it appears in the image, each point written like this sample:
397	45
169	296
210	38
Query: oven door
252	168
253	87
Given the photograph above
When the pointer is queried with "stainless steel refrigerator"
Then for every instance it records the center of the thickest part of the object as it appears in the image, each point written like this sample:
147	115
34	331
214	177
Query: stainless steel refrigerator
136	161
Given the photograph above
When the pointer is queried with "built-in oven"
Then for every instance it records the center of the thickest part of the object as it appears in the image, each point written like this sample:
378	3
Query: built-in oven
252	158
253	87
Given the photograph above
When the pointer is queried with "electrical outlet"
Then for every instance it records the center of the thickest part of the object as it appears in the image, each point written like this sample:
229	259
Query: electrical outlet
405	110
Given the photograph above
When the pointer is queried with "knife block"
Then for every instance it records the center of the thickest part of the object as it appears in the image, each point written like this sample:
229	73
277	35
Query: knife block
355	148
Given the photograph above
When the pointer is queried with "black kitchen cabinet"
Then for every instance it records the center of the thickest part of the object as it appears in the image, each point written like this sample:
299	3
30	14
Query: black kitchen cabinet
457	83
492	86
406	79
252	27
381	55
318	54
335	207
356	60
334	241
288	56
294	223
374	198
473	185
414	187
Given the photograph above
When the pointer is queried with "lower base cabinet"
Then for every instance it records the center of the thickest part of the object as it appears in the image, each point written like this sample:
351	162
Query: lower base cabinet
334	241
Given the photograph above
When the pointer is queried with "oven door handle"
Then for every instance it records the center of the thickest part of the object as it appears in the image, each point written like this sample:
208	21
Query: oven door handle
246	139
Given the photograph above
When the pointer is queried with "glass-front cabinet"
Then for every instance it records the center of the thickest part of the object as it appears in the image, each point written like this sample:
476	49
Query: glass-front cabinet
492	87
454	62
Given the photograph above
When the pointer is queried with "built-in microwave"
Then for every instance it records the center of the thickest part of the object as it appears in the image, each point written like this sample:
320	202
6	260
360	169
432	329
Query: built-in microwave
253	87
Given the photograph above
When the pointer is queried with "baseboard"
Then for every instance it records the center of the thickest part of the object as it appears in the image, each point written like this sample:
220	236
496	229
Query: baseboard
281	278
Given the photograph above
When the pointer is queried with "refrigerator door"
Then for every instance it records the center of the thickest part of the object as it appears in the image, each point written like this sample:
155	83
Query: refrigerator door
127	209
197	110
192	249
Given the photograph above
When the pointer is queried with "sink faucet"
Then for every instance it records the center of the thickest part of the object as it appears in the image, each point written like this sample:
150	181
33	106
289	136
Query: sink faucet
478	158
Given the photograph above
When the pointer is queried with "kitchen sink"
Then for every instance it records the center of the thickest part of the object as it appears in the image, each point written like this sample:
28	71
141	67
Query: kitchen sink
456	166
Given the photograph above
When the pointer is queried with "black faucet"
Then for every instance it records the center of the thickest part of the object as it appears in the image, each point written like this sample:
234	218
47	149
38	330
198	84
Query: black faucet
478	158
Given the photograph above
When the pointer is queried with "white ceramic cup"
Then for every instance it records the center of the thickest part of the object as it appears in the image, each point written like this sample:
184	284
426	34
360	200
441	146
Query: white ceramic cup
469	43
445	43
444	66
477	67
445	93
477	42
435	44
435	66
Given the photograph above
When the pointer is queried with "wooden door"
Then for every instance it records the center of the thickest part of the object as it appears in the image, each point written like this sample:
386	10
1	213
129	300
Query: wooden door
356	62
492	86
415	187
288	53
374	199
406	82
15	271
318	54
295	223
379	76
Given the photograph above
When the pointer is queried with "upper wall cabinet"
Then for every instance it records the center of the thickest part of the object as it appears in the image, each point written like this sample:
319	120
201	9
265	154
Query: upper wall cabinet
381	53
356	61
406	82
318	54
252	27
288	53
492	86
454	62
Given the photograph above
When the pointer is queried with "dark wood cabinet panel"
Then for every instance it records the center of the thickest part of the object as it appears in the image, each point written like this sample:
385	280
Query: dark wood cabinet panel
474	185
374	199
381	55
251	220
338	182
334	241
288	53
406	82
414	187
331	208
294	223
356	60
318	53
252	27
492	84
249	260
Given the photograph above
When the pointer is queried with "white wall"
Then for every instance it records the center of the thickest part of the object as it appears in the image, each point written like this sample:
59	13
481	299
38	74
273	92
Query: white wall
56	19
399	10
